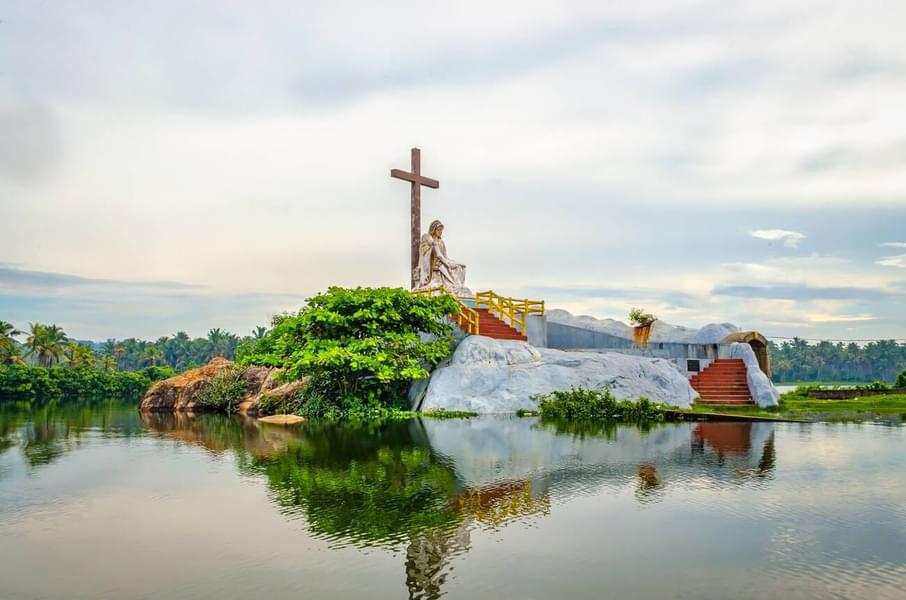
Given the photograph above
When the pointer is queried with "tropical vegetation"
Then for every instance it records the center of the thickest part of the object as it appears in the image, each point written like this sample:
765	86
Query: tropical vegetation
40	384
360	348
798	361
595	405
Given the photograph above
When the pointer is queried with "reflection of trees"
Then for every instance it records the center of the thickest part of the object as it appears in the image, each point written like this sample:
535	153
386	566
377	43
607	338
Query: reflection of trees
368	490
45	432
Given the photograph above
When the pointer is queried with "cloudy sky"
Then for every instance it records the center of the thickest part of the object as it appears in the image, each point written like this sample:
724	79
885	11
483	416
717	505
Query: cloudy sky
183	165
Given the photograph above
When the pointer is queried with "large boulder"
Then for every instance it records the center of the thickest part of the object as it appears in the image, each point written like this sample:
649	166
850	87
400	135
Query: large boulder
180	393
497	376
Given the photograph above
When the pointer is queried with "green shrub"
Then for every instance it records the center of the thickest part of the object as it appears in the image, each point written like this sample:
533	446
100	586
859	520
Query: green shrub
360	347
874	386
594	405
272	405
42	384
224	392
640	318
901	380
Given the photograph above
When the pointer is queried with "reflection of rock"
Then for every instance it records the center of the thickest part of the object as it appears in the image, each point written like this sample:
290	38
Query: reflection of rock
179	393
219	433
493	376
493	449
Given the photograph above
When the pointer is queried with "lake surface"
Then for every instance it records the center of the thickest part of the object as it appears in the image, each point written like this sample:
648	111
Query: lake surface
104	503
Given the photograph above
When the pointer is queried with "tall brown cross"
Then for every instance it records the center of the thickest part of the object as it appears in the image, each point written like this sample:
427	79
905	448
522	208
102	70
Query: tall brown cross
417	180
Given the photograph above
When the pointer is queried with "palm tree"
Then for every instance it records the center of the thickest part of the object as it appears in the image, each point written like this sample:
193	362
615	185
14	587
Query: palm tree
152	355
79	356
259	332
8	331
10	352
108	363
118	352
46	342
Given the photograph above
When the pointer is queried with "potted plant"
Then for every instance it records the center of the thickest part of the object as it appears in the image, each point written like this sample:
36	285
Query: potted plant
641	322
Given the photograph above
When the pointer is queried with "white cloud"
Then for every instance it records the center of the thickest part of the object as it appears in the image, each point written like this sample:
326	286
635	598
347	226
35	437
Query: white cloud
898	261
894	244
789	238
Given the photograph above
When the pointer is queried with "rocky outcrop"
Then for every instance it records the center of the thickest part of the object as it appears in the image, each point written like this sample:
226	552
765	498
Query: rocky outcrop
499	376
179	393
760	387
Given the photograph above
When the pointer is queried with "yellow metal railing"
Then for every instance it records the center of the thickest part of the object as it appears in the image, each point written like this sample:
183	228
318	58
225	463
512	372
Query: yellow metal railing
512	311
467	317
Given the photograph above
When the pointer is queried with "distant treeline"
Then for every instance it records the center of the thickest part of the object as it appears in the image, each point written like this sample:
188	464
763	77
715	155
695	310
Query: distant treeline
20	383
48	346
796	360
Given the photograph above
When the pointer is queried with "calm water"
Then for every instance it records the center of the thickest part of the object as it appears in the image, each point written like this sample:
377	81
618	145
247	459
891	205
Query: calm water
105	503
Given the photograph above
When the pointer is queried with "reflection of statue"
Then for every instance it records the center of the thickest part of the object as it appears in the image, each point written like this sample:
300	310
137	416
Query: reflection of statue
435	269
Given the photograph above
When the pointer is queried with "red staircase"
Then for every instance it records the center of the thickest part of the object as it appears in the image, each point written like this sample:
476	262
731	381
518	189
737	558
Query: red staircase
724	381
493	327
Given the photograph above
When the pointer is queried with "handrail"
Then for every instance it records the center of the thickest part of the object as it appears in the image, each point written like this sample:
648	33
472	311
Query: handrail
467	317
514	310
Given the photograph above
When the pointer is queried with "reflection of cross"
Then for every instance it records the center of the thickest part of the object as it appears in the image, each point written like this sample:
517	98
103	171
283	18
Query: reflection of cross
417	180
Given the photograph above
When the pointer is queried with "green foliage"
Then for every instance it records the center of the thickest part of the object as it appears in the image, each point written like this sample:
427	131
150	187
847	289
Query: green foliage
901	380
874	386
361	348
640	318
272	405
224	392
46	344
796	360
441	413
594	405
22	383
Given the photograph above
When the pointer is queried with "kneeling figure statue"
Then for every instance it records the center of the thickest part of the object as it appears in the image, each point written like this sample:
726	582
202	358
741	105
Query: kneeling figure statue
435	269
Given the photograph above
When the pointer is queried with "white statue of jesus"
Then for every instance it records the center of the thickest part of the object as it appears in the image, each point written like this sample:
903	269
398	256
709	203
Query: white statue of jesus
435	269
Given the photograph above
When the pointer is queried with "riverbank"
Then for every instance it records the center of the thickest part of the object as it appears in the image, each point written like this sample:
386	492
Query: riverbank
797	405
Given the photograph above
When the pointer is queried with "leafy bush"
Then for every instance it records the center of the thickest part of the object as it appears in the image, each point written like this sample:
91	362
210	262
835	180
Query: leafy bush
22	383
360	347
224	392
641	318
901	380
594	405
272	405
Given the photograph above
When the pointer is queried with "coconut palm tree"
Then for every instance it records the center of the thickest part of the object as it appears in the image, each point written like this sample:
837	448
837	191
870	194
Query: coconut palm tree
8	331
152	356
259	332
79	356
46	343
10	353
107	363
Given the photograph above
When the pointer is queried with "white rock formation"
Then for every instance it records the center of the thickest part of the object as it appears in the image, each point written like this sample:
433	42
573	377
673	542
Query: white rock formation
660	331
763	391
496	376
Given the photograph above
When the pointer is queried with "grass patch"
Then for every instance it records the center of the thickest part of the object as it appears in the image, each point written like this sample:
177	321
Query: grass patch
887	404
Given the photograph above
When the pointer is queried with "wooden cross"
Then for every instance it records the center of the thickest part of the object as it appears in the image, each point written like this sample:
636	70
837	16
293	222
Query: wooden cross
417	180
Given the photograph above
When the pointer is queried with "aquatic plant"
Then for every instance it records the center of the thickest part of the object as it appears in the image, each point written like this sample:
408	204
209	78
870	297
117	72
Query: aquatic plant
595	405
